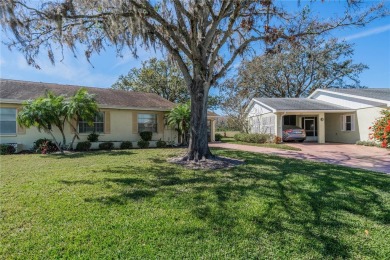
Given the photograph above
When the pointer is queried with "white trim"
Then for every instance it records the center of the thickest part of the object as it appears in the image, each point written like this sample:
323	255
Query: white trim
16	122
349	95
317	111
264	105
15	101
344	122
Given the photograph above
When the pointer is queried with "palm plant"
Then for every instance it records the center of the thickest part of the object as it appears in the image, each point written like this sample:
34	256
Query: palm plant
179	117
81	106
44	112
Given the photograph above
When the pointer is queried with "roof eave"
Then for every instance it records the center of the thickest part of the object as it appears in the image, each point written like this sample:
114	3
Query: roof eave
101	106
315	111
349	95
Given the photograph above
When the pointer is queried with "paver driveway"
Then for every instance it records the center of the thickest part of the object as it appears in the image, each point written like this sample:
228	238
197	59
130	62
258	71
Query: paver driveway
370	158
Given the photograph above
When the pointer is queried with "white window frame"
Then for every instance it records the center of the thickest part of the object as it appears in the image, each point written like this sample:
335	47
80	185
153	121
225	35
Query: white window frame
156	121
1	120
94	125
344	122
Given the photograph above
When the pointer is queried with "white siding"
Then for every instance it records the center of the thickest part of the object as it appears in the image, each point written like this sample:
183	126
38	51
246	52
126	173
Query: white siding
262	124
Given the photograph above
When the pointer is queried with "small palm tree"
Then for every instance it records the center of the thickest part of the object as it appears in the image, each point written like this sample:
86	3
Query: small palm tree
43	113
179	117
81	106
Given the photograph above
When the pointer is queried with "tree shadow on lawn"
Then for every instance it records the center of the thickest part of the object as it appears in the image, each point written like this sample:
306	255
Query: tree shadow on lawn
75	155
290	201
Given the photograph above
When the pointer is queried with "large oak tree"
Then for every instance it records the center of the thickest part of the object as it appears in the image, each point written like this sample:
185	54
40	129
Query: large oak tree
204	37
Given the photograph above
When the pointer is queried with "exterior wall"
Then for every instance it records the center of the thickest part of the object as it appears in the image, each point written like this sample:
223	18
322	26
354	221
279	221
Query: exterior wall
364	118
263	123
261	120
120	125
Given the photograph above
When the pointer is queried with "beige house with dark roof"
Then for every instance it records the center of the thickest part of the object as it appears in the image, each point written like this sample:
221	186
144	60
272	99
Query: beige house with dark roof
327	115
123	114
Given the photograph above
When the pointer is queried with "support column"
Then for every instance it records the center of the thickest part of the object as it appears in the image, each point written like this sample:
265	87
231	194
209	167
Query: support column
212	131
321	128
278	125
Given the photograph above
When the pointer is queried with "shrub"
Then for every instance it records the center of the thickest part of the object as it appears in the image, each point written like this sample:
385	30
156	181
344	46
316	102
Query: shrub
7	149
277	140
143	144
381	129
44	146
106	146
146	136
253	138
93	137
218	137
161	144
367	143
83	146
126	145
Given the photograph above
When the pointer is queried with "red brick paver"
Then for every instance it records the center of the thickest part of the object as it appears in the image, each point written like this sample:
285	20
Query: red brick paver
370	158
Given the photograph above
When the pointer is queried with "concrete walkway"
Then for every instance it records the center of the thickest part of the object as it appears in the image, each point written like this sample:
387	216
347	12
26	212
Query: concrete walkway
370	158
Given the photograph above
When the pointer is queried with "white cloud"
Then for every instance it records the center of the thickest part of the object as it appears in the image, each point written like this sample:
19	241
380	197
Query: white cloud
367	33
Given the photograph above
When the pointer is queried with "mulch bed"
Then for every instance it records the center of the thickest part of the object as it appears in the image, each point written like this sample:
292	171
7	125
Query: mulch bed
217	162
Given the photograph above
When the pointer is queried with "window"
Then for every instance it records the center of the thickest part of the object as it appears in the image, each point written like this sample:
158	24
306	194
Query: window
348	123
8	121
289	120
97	127
147	122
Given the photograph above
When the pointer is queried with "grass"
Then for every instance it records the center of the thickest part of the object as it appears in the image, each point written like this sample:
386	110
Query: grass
267	145
133	204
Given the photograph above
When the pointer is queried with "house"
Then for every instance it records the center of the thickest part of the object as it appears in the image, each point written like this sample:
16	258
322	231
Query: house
123	114
327	115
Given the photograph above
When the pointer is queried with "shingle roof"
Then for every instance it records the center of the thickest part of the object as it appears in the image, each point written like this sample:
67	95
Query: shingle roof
375	93
25	90
211	113
297	104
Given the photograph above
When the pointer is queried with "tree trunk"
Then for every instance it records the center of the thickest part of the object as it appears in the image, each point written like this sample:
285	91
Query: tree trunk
63	138
55	141
198	145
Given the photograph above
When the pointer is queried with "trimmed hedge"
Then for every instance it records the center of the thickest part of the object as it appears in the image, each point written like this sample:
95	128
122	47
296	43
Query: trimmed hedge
254	138
106	146
126	145
83	146
93	137
146	136
161	144
218	137
7	149
143	144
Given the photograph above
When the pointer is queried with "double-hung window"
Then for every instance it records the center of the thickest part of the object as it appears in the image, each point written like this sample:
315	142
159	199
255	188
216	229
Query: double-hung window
348	123
7	121
147	123
97	126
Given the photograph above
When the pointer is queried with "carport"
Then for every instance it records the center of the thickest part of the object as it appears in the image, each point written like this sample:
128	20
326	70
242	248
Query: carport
310	114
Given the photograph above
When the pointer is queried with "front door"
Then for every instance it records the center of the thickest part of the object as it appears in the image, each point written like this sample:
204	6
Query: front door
310	126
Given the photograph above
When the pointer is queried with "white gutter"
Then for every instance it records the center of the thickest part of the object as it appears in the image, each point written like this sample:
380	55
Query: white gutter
16	101
315	111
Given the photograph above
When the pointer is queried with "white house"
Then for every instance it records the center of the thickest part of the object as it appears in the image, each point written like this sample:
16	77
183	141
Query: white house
327	115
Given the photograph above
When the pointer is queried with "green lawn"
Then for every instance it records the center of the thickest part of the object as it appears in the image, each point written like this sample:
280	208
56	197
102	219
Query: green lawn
268	145
133	204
